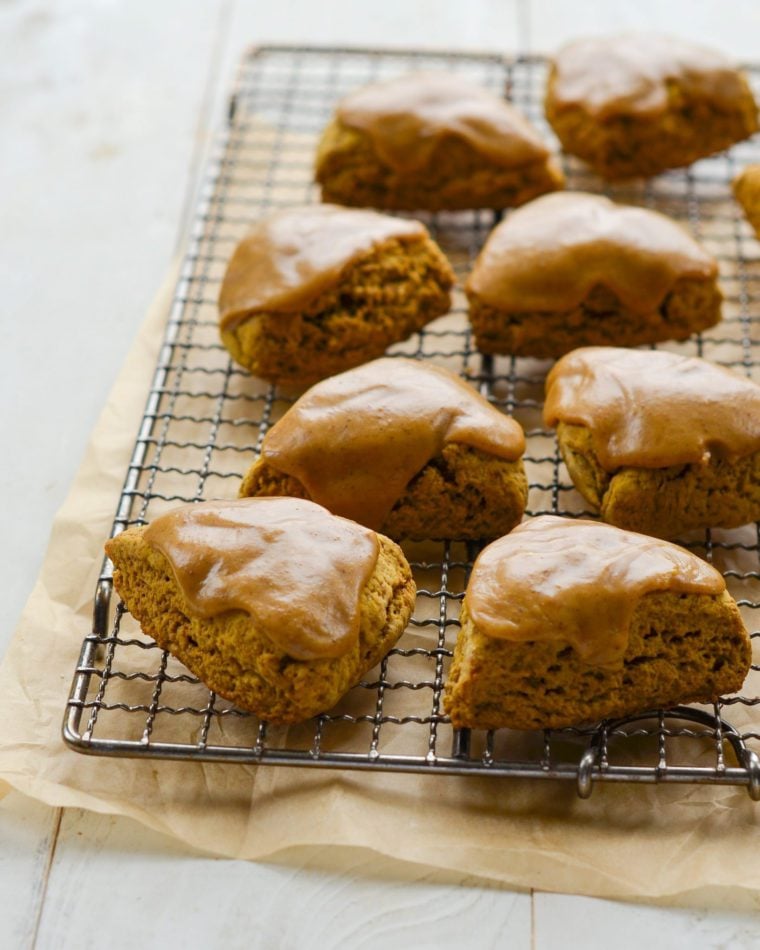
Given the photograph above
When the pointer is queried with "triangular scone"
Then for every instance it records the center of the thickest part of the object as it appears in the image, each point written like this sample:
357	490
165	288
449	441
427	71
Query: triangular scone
659	443
432	141
576	269
402	446
314	290
273	603
746	188
638	103
568	622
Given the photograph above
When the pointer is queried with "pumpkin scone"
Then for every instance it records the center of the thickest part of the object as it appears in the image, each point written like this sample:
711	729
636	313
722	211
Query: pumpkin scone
568	622
746	187
575	269
637	104
315	290
432	141
404	447
659	443
273	603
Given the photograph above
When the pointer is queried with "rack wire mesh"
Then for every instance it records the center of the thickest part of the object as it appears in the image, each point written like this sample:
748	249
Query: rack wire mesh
205	419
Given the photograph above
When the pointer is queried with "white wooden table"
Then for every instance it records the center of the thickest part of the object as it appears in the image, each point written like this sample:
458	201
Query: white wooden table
106	108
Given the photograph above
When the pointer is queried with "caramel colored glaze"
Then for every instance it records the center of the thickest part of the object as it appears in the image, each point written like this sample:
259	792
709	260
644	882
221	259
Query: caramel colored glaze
577	582
652	409
293	256
356	440
295	568
630	74
549	254
408	117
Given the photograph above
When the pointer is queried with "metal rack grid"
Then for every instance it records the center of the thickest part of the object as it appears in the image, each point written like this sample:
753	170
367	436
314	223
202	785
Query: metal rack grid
205	419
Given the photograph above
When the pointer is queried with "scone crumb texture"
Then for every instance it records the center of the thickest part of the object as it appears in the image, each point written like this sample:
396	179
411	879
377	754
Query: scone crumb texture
356	440
295	568
653	409
577	582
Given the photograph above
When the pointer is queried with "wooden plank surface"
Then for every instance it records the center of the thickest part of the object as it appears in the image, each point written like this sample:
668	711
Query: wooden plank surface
350	900
733	26
566	921
28	831
102	116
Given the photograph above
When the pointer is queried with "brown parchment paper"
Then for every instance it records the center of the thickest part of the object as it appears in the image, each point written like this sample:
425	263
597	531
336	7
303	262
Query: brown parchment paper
636	842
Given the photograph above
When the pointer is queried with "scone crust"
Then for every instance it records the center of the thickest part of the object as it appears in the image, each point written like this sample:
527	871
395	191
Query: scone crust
746	187
600	320
463	493
628	146
382	298
683	648
663	502
240	662
351	173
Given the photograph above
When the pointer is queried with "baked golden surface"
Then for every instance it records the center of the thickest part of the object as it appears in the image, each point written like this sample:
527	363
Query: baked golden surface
432	141
234	656
575	269
683	648
313	291
668	501
746	187
565	622
461	493
637	104
402	446
658	442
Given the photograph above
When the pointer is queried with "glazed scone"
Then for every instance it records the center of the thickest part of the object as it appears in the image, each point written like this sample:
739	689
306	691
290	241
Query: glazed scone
568	622
313	291
273	603
746	188
404	447
575	269
432	141
657	442
637	104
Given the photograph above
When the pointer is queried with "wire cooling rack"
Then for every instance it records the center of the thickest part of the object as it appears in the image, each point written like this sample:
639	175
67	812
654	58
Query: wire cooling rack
205	419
